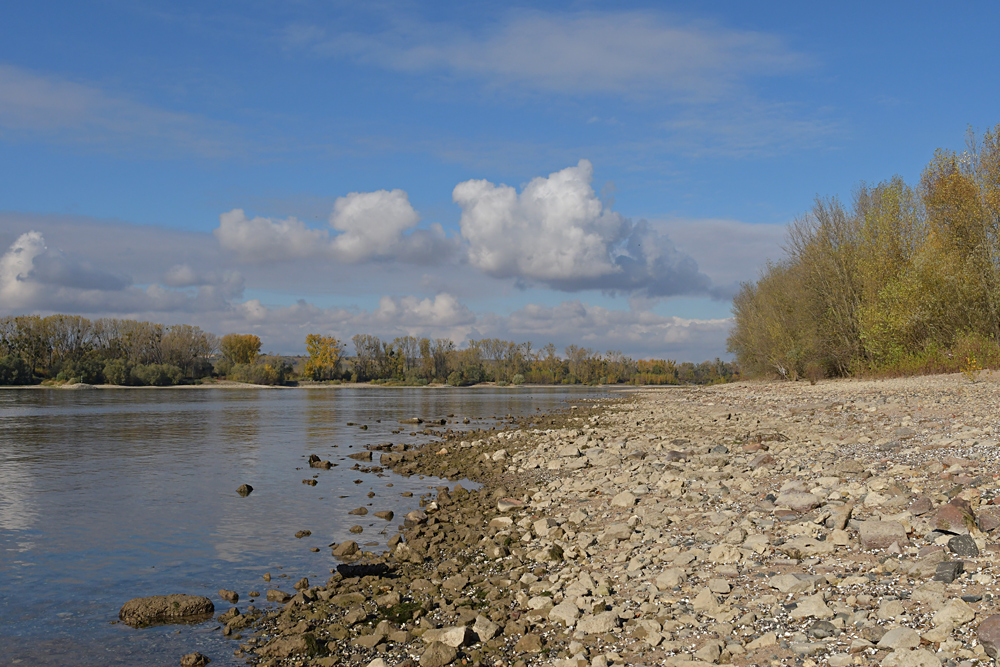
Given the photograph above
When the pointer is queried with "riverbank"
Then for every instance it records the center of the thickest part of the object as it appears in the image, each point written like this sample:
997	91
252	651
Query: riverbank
753	523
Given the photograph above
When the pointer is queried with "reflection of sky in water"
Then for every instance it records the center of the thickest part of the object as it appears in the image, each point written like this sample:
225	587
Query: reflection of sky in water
16	511
106	495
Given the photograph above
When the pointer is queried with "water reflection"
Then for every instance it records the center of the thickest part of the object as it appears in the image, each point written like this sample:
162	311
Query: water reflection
106	495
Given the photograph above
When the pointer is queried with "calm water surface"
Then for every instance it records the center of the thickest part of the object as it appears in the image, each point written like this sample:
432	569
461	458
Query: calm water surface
107	495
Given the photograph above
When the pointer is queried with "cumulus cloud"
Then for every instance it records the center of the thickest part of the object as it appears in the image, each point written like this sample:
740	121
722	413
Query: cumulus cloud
368	225
557	232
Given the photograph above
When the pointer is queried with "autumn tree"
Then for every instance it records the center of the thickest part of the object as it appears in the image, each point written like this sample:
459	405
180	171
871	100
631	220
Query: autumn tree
240	348
324	357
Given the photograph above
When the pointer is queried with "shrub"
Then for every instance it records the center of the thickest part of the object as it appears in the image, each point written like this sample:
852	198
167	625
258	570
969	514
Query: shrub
517	379
15	371
267	370
157	375
119	372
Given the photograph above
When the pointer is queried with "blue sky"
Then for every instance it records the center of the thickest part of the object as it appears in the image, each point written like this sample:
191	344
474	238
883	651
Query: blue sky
568	172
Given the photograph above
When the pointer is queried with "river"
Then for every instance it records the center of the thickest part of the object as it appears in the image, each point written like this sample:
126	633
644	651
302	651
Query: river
106	495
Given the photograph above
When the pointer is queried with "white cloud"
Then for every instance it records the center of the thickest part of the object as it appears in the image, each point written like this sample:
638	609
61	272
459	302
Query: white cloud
632	53
557	232
369	225
47	106
265	240
372	222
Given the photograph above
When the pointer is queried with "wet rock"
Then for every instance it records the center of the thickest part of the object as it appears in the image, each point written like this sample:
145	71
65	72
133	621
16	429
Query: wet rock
303	533
360	456
177	608
194	660
232	597
385	514
274	595
244	490
356	529
345	549
359	511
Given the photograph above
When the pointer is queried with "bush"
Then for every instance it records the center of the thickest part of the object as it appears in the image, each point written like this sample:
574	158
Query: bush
268	371
90	371
14	371
119	372
455	379
517	379
157	375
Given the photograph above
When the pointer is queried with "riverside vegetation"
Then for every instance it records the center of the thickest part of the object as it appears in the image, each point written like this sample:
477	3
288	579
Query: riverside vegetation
72	349
904	280
846	523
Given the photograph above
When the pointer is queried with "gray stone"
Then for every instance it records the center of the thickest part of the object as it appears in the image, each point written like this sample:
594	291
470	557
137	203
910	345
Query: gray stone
988	635
948	571
963	546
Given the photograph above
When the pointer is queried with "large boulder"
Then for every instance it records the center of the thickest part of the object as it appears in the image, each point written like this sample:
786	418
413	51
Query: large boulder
156	609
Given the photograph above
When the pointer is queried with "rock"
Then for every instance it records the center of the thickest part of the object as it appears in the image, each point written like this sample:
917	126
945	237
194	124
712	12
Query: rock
624	499
244	490
948	571
812	606
882	534
953	518
806	547
954	614
345	549
359	511
963	546
899	637
508	504
670	578
177	608
385	514
194	660
529	643
798	501
764	641
302	533
274	595
616	532
822	630
566	612
287	646
710	652
911	658
594	624
793	583
356	529
454	636
438	655
232	597
988	635
485	629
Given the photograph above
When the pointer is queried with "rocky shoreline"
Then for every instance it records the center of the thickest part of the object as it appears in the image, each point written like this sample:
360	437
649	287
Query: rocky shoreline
751	524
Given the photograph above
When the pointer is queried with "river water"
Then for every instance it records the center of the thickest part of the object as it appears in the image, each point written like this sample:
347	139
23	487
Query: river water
106	495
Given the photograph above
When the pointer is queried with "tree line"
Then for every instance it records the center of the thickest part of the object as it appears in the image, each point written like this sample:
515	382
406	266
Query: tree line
905	279
69	348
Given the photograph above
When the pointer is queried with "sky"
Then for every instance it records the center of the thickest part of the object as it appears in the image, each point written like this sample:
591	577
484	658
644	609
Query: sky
590	173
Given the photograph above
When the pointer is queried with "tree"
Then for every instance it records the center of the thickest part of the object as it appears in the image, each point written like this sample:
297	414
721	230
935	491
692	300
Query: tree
240	348
324	357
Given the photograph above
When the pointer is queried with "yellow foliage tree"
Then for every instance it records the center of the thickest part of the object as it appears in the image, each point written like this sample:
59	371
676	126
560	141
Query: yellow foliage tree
324	357
240	348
